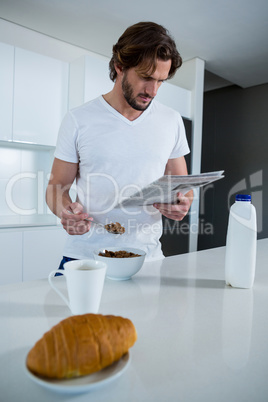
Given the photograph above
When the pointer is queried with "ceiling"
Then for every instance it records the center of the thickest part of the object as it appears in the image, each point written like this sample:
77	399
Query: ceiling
231	36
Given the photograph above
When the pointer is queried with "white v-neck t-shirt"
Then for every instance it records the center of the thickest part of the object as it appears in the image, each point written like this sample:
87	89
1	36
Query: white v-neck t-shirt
118	157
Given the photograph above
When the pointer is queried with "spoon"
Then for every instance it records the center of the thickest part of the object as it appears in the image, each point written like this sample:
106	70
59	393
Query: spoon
114	228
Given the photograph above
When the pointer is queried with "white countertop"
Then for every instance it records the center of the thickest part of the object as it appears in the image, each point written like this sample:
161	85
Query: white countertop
198	340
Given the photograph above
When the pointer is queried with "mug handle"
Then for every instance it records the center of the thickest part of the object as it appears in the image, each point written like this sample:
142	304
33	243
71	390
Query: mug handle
52	275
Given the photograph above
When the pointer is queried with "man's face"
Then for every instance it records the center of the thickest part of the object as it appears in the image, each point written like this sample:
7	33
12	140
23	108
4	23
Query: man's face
139	90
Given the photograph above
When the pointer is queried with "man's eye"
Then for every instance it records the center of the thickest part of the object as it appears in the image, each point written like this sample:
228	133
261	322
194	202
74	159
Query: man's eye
147	78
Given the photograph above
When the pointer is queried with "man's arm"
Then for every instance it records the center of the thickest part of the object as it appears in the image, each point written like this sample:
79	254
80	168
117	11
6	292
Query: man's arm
59	201
177	211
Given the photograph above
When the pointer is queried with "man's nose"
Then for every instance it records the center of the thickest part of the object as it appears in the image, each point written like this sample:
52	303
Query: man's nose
152	88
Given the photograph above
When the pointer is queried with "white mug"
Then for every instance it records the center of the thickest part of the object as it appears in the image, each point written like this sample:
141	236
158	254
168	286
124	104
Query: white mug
85	280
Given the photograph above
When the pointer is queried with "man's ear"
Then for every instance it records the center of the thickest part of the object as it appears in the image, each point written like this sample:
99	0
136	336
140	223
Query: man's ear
118	68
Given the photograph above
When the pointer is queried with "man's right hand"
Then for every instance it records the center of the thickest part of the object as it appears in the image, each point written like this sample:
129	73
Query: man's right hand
73	219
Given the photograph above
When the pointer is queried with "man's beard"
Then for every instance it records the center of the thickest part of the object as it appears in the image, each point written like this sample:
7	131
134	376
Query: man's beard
128	94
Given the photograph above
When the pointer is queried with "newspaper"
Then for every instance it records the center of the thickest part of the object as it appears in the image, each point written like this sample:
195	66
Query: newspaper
165	189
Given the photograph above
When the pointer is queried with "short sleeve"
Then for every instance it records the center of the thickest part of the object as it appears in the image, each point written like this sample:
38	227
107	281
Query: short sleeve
181	146
66	148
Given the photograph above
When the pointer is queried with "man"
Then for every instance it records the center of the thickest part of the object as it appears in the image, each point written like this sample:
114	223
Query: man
117	144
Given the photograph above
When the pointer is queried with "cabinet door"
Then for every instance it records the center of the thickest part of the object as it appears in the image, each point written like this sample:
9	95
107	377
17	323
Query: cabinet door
11	257
40	97
42	252
97	80
89	78
6	90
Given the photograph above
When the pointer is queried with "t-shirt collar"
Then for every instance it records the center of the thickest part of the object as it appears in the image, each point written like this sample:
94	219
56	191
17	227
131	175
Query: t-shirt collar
123	118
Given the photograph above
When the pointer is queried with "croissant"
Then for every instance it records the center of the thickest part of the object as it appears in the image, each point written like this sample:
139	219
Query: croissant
81	345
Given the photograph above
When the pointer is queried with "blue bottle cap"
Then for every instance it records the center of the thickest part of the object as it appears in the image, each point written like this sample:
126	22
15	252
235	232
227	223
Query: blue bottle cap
243	197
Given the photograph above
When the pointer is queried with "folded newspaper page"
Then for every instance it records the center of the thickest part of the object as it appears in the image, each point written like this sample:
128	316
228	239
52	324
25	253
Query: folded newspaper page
165	189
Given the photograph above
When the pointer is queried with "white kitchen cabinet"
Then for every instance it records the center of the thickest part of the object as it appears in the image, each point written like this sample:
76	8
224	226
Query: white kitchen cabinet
11	257
42	252
40	97
30	253
6	90
89	78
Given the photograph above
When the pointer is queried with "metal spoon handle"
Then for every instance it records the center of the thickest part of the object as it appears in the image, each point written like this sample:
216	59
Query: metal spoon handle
95	223
87	219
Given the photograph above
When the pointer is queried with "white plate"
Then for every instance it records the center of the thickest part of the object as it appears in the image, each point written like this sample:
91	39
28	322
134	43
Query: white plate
84	383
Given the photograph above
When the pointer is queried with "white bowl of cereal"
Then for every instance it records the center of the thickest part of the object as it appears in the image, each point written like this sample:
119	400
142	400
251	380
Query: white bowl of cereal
122	264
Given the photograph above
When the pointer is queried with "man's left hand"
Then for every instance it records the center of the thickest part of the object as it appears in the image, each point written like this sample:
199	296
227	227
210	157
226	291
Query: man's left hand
176	211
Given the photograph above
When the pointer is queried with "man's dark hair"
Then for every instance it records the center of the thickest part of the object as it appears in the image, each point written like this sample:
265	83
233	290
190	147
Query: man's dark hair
141	45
